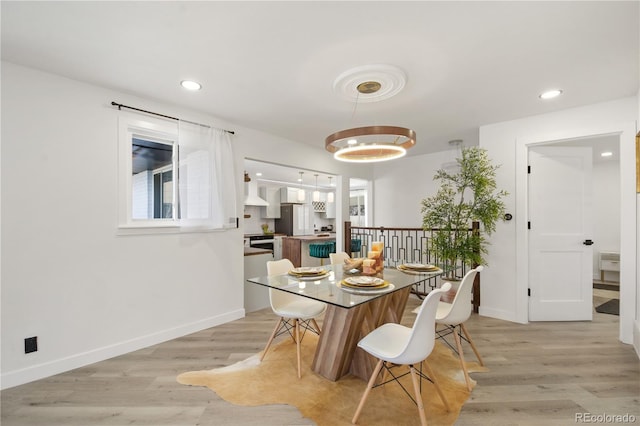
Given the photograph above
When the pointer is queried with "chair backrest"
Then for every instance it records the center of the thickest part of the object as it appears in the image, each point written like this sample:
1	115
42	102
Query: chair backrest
423	334
278	298
461	306
338	258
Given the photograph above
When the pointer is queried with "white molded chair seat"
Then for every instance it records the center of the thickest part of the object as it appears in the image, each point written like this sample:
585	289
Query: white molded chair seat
295	311
453	315
339	258
400	345
301	308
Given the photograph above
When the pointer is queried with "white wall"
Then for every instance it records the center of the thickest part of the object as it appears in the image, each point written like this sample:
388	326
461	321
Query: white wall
67	276
636	329
401	185
507	144
606	213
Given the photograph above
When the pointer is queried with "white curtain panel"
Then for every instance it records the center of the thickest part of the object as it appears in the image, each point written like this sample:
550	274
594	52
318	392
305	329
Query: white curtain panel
225	205
207	191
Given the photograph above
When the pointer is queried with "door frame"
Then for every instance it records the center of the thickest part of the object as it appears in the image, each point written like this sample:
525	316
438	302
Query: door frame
626	133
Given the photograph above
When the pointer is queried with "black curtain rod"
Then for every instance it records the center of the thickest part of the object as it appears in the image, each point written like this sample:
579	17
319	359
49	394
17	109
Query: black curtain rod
120	106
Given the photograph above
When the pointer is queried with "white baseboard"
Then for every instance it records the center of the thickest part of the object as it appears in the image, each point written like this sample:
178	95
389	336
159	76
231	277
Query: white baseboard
636	337
40	371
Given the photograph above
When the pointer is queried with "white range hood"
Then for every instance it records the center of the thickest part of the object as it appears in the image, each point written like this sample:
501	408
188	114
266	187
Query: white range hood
252	198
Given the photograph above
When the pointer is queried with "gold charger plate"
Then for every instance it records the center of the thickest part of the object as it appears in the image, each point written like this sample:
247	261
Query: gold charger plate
306	271
412	267
366	291
364	281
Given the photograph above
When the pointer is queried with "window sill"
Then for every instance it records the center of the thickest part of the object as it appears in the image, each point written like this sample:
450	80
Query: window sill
158	229
161	228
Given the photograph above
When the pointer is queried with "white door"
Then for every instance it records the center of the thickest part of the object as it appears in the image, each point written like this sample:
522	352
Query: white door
560	220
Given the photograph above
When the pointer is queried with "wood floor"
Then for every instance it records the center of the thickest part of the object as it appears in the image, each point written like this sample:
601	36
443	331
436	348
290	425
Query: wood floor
540	374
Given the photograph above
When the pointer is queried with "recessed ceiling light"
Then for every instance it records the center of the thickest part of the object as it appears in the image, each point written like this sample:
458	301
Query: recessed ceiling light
190	85
550	94
258	174
606	154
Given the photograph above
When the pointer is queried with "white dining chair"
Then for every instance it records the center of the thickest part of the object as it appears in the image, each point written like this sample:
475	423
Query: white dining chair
294	311
339	258
453	316
395	344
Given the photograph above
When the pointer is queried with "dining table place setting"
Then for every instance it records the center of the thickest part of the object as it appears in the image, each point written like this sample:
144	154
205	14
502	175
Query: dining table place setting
309	272
418	268
365	285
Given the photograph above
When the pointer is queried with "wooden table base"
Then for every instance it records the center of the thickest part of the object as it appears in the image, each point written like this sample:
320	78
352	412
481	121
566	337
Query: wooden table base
337	353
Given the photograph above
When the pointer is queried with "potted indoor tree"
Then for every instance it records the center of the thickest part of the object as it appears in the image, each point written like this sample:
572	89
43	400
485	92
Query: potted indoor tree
465	195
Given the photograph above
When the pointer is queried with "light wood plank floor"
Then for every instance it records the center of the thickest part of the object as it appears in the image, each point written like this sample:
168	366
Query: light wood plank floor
540	374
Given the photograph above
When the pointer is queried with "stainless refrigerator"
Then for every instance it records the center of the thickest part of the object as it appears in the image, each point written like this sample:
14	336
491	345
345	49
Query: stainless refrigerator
295	219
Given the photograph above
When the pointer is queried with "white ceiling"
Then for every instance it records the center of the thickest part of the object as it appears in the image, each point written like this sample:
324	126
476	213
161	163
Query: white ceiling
271	65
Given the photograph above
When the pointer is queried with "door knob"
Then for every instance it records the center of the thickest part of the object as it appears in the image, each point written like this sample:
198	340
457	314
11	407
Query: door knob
587	242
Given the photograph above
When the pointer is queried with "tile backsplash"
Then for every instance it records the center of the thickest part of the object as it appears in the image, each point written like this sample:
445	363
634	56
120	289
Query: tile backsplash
253	224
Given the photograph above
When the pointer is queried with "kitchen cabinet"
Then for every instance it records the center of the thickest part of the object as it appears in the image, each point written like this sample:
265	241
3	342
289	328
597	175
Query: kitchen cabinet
272	196
319	206
330	210
256	297
290	195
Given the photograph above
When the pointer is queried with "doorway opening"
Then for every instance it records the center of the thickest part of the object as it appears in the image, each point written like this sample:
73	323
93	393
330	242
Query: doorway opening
359	211
604	236
606	221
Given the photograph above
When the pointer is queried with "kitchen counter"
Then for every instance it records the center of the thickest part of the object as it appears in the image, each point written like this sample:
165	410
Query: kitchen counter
308	238
252	251
255	265
275	234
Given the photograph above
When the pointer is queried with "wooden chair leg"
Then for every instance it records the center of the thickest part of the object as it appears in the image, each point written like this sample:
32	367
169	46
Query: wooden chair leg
432	376
416	389
297	322
315	324
475	351
385	373
273	335
372	380
461	356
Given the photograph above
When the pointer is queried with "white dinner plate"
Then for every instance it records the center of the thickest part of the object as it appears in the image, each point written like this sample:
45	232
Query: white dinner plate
308	270
364	281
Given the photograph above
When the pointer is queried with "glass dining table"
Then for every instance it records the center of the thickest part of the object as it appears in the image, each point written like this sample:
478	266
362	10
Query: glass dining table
351	313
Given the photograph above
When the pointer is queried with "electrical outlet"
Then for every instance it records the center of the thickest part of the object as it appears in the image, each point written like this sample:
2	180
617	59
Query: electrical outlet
30	344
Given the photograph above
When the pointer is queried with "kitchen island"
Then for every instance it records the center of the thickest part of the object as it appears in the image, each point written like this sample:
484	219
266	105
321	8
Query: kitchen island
296	248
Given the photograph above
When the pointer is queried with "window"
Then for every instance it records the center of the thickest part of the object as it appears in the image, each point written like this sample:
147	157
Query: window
152	179
174	175
148	155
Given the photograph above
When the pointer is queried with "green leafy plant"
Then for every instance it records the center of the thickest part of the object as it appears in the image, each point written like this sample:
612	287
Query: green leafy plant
467	195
